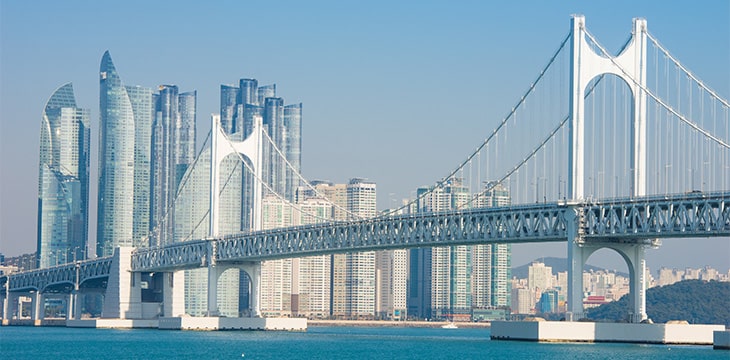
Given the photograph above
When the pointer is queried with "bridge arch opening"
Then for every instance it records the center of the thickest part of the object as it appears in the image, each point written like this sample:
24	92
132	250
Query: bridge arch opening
609	118
601	286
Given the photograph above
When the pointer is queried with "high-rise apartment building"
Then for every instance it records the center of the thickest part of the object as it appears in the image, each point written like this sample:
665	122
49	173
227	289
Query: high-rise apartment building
449	282
63	180
125	114
240	107
360	267
142	108
539	278
173	150
499	255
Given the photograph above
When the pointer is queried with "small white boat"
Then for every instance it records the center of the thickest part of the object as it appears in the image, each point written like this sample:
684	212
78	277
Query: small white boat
449	326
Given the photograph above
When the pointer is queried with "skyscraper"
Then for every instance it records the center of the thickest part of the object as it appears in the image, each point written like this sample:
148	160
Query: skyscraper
126	113
449	282
360	267
142	107
63	180
173	150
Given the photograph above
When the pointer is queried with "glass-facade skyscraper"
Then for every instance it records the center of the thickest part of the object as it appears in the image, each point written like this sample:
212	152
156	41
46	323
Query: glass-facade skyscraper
173	150
63	180
124	164
450	282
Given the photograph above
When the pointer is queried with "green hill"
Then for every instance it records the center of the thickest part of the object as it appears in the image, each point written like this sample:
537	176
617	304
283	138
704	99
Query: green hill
697	301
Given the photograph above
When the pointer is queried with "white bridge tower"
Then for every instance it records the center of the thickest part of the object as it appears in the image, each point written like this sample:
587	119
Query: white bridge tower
630	66
251	148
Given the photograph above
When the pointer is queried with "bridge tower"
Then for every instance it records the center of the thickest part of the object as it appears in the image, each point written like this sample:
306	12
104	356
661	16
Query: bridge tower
221	146
629	66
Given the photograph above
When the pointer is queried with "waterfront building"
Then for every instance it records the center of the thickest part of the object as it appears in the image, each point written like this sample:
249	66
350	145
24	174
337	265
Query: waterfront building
276	275
549	301
293	148
143	110
63	180
448	283
359	268
539	278
310	288
123	203
448	269
173	150
391	276
500	255
523	301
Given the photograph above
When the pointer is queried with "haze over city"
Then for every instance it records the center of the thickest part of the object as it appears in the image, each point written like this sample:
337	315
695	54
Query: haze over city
396	93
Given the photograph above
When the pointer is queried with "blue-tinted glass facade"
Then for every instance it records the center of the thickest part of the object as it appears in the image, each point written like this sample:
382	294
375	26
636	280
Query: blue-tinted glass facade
124	161
173	149
293	150
63	184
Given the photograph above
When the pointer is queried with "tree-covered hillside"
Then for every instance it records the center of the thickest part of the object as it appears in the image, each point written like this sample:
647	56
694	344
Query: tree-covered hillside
697	301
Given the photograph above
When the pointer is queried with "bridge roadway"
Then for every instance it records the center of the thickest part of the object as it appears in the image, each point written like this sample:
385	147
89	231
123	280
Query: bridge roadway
622	220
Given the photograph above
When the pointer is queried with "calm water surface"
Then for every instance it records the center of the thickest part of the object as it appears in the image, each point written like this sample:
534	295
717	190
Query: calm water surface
317	343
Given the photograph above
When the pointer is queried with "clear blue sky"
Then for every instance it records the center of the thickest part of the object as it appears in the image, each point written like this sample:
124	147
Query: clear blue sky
397	92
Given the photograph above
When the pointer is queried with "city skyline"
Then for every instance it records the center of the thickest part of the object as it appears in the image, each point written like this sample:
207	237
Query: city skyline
390	131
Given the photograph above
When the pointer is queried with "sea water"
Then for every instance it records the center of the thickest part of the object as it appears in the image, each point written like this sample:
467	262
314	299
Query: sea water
316	343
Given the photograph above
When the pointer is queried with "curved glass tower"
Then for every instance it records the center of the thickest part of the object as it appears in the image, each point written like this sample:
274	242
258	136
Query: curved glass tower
63	180
115	218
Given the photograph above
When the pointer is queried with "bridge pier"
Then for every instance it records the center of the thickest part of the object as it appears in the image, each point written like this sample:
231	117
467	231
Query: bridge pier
173	292
253	269
6	306
123	296
634	255
36	314
71	305
214	272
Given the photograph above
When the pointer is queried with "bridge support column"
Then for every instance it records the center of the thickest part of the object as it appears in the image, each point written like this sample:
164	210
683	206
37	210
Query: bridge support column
123	296
173	284
37	309
214	273
71	305
577	256
6	307
253	269
634	255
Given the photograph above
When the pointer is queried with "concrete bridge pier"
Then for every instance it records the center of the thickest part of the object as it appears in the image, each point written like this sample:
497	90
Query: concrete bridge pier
173	292
123	296
71	305
633	252
6	307
253	269
214	272
36	314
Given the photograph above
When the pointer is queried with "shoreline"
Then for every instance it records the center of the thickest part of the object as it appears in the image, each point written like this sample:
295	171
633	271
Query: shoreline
386	323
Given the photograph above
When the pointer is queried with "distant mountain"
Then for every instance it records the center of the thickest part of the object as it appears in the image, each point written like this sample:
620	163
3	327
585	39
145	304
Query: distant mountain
558	265
697	301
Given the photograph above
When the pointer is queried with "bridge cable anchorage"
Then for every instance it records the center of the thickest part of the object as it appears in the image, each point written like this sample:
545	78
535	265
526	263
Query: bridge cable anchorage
306	182
491	136
657	99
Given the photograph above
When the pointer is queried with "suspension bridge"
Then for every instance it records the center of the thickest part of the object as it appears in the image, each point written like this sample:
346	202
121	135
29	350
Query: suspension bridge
623	149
